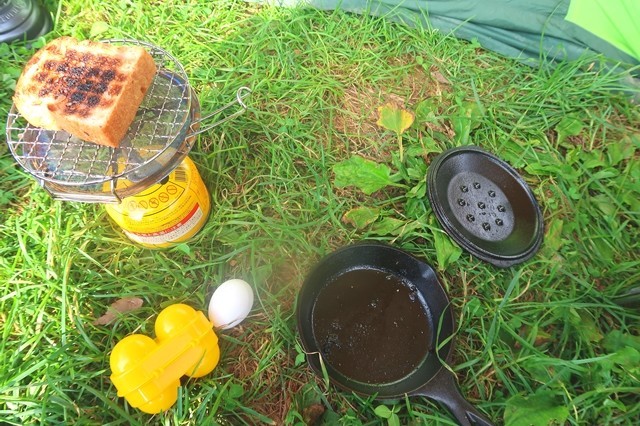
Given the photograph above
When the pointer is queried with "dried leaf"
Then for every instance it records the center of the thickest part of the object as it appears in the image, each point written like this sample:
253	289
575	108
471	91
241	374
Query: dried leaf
312	413
437	76
395	119
120	306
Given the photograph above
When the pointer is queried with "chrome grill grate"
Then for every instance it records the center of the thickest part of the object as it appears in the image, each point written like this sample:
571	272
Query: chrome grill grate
157	141
57	157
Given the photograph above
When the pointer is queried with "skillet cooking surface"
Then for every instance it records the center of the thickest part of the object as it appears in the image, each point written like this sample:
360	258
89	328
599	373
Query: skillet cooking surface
372	326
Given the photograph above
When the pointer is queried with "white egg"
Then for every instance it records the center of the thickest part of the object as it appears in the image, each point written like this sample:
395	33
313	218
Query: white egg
230	303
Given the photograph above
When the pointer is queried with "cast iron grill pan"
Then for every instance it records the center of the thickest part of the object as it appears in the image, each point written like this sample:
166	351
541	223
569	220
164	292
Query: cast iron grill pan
485	206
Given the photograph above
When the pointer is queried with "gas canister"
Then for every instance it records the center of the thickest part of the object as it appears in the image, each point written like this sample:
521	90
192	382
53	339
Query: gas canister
168	212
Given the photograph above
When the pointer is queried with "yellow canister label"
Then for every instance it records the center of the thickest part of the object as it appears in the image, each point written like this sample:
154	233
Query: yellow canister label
168	212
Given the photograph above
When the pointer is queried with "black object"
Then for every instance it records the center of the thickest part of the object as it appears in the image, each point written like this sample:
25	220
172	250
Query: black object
23	20
378	321
629	299
485	206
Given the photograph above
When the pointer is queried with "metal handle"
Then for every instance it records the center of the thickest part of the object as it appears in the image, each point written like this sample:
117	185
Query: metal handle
241	93
81	196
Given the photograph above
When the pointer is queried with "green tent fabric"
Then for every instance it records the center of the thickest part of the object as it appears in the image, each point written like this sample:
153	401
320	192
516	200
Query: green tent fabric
616	21
529	30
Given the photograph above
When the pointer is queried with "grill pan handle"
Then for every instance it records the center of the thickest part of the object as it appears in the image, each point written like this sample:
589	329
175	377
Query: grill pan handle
444	389
241	93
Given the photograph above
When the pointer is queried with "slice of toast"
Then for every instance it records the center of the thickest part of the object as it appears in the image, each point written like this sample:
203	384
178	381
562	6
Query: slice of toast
90	89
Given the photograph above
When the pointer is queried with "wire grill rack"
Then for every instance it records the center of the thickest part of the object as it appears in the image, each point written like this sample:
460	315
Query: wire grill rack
158	140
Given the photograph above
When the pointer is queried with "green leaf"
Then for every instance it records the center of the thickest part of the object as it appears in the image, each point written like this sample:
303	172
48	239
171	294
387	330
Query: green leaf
568	126
388	226
587	327
474	308
415	208
300	359
553	240
515	323
447	252
467	118
541	169
627	357
184	248
10	73
429	146
605	174
395	119
383	411
617	340
426	111
574	193
537	370
622	150
418	191
417	173
364	174
6	197
601	246
310	394
235	391
539	409
350	418
394	420
591	160
361	217
615	404
98	27
632	200
604	204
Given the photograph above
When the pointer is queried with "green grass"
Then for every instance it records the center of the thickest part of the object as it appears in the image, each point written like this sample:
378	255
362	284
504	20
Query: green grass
544	336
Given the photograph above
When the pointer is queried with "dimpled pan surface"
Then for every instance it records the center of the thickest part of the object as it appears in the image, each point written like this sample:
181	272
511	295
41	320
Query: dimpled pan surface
485	206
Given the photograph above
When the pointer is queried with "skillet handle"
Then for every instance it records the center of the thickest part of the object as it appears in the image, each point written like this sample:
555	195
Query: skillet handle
444	389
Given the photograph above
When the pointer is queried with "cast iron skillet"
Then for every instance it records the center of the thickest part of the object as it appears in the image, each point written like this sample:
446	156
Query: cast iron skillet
379	322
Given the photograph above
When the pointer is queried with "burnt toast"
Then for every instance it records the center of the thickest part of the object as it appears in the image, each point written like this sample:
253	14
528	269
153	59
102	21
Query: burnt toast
89	89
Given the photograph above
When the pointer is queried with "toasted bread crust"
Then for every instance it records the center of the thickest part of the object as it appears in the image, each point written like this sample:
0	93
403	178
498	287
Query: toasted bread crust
91	90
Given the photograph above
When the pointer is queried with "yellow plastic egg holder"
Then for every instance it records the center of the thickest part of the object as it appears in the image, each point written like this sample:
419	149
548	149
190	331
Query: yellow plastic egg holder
147	372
